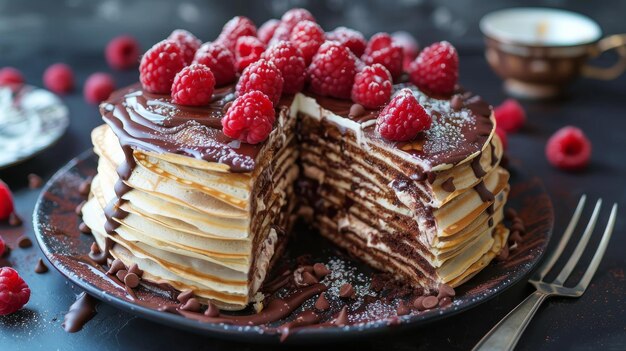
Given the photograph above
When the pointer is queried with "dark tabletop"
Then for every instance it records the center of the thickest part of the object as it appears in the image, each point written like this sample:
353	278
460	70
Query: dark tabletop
595	321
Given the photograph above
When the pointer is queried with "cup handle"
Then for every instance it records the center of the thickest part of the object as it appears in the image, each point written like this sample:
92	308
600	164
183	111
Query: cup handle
612	42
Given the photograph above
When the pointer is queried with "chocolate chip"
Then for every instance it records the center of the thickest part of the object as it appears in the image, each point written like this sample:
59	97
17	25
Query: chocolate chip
308	278
131	280
456	102
212	310
24	242
85	187
417	303
135	269
34	181
402	309
445	290
445	301
510	213
430	302
14	220
356	110
320	270
115	266
79	209
184	296
342	317
191	305
84	228
322	303
121	274
95	249
40	268
347	291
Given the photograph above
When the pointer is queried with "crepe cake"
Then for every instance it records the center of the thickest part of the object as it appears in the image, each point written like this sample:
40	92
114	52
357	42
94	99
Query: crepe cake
428	210
201	208
198	211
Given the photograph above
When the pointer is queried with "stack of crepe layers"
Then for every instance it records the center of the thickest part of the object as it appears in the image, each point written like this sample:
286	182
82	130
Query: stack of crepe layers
365	197
193	225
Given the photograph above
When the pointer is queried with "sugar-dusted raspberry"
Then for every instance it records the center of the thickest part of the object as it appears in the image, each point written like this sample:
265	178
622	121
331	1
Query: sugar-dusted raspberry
267	29
159	66
98	87
436	68
332	70
250	118
288	21
264	77
288	59
122	52
503	138
307	36
510	115
350	38
193	85
248	50
372	86
219	60
14	292
59	78
569	149
6	201
382	49
238	26
409	45
10	75
403	118
187	42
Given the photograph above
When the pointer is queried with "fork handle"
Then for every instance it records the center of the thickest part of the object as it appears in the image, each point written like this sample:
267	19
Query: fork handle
506	333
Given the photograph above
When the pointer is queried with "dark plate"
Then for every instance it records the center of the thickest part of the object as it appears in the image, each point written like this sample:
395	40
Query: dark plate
56	229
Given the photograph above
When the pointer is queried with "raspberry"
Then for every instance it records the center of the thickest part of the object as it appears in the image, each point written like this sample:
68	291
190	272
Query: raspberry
248	50
267	29
569	149
502	135
219	60
98	87
288	21
238	26
382	49
307	36
59	78
187	42
264	77
2	247
436	68
510	116
403	118
372	86
332	70
409	47
289	61
350	38
10	75
193	86
159	66
250	118
14	293
122	52
6	202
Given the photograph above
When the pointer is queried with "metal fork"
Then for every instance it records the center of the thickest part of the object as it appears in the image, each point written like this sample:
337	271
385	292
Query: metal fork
505	335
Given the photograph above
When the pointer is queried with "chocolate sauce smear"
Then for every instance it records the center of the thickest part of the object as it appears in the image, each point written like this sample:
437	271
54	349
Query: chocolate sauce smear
81	311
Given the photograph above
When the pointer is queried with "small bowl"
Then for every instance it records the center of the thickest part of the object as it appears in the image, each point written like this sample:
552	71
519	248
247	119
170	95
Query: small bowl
538	51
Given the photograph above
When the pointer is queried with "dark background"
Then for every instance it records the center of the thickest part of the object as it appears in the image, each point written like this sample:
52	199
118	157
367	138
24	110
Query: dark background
35	34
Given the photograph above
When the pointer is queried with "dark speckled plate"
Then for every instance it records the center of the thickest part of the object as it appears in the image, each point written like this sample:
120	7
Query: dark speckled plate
56	228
